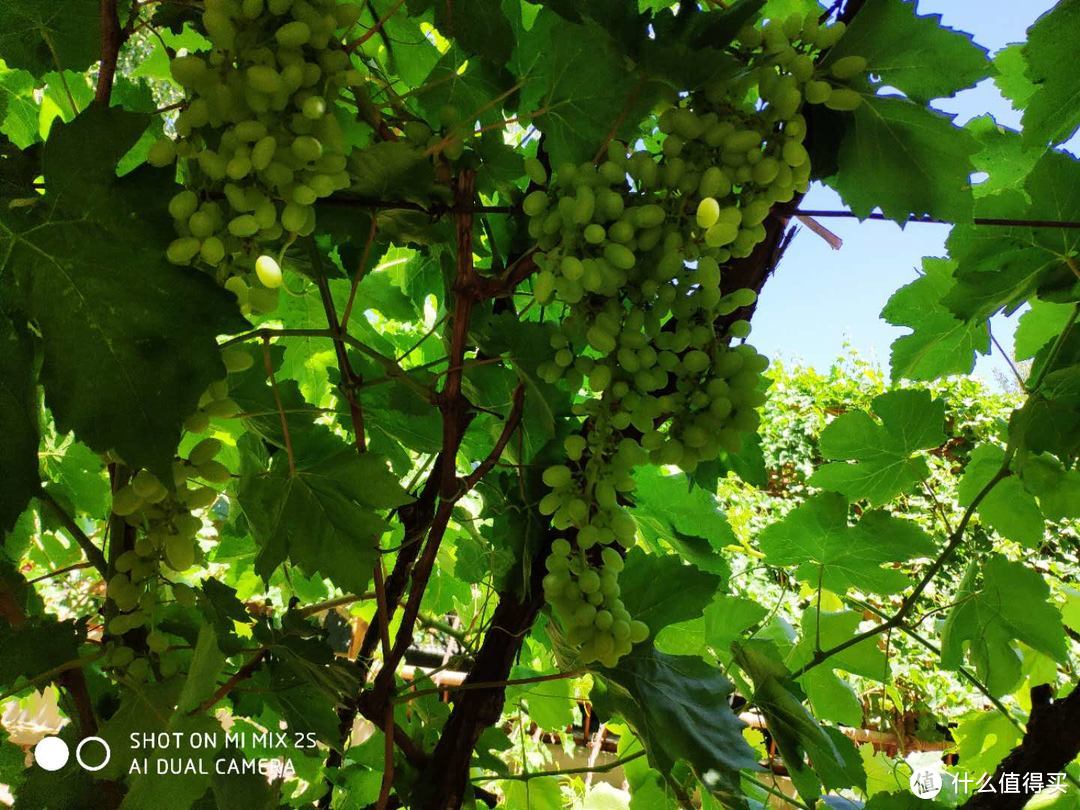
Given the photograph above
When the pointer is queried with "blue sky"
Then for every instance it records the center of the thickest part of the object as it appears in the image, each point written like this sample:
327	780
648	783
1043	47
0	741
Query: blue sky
819	298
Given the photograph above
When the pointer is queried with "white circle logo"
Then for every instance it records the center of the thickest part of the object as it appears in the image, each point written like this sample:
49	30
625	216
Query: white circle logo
51	753
926	783
104	760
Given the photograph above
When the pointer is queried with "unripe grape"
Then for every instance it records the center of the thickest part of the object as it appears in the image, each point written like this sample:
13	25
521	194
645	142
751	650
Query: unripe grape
843	99
264	79
243	226
182	250
215	472
535	203
619	255
179	552
557	476
223	408
162	153
720	234
708	211
293	34
848	67
536	171
827	37
157	641
212	250
183	205
595	234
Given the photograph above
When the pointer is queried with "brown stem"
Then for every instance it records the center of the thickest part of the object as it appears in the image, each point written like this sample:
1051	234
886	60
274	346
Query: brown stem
280	408
112	37
350	380
242	674
1051	742
512	422
93	554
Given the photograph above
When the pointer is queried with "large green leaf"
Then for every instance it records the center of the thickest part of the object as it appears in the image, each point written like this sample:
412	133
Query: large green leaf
895	41
678	706
18	110
19	416
906	159
876	459
1001	267
478	25
105	299
1053	111
38	34
1011	604
1042	322
1008	508
664	590
940	343
798	735
816	537
322	516
575	83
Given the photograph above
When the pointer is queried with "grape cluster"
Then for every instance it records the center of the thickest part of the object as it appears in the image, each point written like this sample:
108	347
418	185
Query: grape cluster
258	138
168	522
587	599
633	250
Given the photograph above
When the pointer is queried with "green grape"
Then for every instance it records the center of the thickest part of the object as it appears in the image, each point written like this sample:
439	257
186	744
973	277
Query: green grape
293	34
843	99
212	250
157	641
162	153
535	203
848	67
236	359
179	552
619	255
817	92
268	271
182	250
708	212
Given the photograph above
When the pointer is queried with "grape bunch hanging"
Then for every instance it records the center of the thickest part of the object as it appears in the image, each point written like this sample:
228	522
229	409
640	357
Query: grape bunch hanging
633	250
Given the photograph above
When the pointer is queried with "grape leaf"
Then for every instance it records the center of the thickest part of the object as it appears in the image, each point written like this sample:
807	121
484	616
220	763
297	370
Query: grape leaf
19	416
877	458
184	789
1043	322
105	299
832	698
648	595
1057	488
1010	75
31	31
905	159
1011	604
1008	508
76	475
206	664
478	25
577	81
894	40
1052	113
18	111
816	537
323	516
666	505
37	646
678	706
939	344
836	762
1002	157
551	703
1001	267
